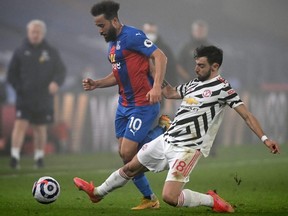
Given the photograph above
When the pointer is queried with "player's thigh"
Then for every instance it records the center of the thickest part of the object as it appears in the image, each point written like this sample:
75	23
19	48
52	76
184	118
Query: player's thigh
140	122
181	163
20	126
128	149
121	121
39	130
152	155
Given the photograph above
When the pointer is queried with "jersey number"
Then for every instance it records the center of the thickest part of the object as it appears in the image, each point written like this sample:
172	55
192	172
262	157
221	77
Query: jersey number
135	123
179	165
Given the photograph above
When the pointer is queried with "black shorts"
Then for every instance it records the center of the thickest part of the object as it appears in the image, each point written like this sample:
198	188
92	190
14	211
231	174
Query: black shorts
35	117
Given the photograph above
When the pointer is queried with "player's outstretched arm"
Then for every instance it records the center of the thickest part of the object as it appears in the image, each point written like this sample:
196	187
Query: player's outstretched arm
108	81
254	125
169	92
160	60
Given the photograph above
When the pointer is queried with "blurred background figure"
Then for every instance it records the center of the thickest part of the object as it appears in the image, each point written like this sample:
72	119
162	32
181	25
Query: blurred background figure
151	31
199	34
7	95
36	71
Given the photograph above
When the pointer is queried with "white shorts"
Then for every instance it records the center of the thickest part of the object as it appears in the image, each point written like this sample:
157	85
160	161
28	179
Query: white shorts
158	155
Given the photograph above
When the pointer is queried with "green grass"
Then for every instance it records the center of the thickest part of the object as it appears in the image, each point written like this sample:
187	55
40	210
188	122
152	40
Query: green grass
262	191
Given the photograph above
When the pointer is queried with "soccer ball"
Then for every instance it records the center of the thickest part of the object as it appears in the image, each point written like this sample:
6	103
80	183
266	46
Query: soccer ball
46	190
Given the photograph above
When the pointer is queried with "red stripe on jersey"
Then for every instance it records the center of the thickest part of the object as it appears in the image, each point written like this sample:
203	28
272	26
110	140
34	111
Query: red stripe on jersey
121	88
138	70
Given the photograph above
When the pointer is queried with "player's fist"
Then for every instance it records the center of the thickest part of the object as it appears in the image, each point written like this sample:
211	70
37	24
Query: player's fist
88	84
154	95
273	146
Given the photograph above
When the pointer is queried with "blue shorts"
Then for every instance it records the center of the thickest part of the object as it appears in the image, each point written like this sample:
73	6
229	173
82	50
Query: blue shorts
134	123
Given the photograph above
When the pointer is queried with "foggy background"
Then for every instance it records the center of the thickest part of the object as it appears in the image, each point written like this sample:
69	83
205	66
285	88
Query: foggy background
252	33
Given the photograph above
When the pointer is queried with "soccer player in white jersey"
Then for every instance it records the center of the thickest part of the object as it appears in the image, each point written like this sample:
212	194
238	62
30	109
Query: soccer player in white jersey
190	136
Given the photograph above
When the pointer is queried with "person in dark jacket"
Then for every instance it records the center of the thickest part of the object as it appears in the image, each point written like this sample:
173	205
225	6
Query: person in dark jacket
199	34
151	31
36	71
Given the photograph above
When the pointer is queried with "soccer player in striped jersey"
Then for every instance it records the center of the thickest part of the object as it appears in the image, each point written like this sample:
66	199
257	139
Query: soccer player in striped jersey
190	136
129	53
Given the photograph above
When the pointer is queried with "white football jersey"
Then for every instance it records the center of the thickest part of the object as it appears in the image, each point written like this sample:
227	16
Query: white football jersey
201	112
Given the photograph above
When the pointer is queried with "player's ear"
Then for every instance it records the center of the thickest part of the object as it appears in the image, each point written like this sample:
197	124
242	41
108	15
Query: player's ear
215	66
114	22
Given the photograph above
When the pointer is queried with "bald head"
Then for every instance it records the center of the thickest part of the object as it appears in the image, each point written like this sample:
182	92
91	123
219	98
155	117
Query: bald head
199	30
151	31
36	31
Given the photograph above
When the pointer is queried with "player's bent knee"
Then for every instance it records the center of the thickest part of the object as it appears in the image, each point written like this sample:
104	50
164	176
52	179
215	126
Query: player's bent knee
170	199
129	170
134	168
126	156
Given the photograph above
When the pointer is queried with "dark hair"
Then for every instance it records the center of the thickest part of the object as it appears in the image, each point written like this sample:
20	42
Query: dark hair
108	8
212	53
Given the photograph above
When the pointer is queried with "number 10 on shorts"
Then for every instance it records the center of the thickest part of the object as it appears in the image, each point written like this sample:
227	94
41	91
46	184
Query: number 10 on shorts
135	124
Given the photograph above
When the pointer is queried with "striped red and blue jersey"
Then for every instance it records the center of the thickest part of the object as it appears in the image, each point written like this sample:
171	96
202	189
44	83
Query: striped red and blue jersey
129	55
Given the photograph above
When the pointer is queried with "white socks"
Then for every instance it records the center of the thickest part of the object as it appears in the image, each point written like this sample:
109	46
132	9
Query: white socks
15	153
38	154
115	180
190	198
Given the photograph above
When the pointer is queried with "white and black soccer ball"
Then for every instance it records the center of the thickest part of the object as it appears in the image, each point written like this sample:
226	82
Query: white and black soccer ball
46	190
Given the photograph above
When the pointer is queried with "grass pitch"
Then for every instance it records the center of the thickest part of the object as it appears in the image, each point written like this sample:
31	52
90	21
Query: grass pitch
249	177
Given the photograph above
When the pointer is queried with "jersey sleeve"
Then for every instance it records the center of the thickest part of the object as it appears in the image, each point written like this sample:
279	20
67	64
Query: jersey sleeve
230	96
181	89
137	41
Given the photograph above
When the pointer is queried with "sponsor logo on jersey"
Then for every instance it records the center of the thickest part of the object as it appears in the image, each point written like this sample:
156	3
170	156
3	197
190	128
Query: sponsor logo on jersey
112	57
191	101
148	43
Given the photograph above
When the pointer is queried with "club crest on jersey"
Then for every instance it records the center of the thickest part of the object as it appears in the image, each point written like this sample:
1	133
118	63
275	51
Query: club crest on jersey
207	93
118	47
44	56
148	43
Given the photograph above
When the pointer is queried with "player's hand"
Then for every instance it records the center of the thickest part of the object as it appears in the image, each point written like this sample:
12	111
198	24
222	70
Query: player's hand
273	146
154	95
53	88
88	84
